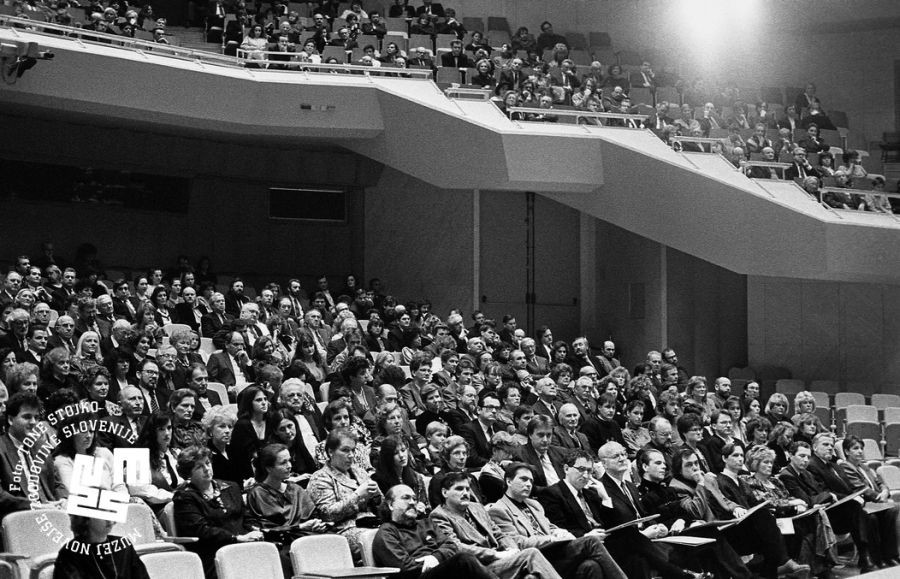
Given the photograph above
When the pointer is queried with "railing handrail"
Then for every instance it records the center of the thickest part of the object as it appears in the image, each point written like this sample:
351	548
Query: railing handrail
485	94
241	58
690	139
772	164
577	113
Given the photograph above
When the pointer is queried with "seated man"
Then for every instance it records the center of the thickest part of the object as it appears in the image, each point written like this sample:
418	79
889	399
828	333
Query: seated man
413	545
755	172
523	518
24	480
468	525
581	506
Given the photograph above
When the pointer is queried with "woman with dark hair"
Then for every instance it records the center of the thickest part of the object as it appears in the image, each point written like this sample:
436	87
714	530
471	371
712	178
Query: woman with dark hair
389	422
7	361
186	431
308	357
277	506
209	509
252	429
92	548
118	363
342	492
160	300
780	439
615	77
284	431
560	351
77	437
510	398
374	337
758	431
145	317
95	388
157	437
812	143
394	469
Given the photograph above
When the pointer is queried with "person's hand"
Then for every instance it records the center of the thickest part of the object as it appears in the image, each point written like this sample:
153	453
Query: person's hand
677	527
601	533
564	535
314	525
655	531
249	537
739	512
428	562
801	508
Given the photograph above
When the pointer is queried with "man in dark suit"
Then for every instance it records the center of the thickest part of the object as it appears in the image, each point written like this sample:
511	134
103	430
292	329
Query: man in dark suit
190	311
801	167
198	380
128	425
583	507
566	434
217	320
466	409
478	432
22	415
456	59
806	98
431	398
63	335
546	460
511	78
722	427
125	305
433	10
19	323
580	355
546	403
232	366
537	366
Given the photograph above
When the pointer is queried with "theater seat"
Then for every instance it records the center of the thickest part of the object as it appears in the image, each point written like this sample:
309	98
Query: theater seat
180	564
243	560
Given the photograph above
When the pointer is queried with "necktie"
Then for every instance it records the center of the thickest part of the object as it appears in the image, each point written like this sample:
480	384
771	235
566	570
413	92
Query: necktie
713	123
154	404
625	490
586	509
535	526
130	306
549	471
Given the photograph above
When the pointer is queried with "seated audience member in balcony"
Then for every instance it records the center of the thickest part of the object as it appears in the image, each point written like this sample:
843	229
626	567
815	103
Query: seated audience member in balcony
785	144
826	164
645	76
329	8
613	99
451	25
852	165
790	120
657	121
283	46
455	58
559	54
811	186
391	53
841	199
615	78
710	119
478	42
758	141
503	56
401	9
423	25
801	167
762	115
805	99
344	40
375	26
422	58
565	78
595	72
356	10
739	119
548	38
512	78
523	40
255	43
312	52
432	9
319	28
483	77
587	90
812	142
285	29
737	156
754	172
546	102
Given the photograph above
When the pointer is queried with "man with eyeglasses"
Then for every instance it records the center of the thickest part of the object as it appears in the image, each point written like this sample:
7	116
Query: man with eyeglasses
801	167
231	367
478	432
661	437
723	428
546	460
63	335
11	286
155	398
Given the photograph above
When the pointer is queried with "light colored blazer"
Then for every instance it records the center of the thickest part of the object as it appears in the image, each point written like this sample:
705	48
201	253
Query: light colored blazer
481	542
333	493
511	521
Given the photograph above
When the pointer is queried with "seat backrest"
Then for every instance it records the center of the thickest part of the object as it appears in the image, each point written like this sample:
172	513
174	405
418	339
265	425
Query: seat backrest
871	450
821	399
882	401
219	389
845	399
744	373
138	525
181	564
473	23
243	560
167	519
367	539
206	345
891	476
169	329
318	552
25	532
789	387
892	415
862	413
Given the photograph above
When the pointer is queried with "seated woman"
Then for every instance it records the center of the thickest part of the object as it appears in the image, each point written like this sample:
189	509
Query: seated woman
510	399
343	493
76	437
218	422
813	537
118	363
483	77
109	556
780	439
338	414
422	26
455	456
87	353
185	430
477	43
615	77
393	469
279	507
251	430
389	422
826	164
881	525
812	143
523	40
777	409
852	165
24	377
209	509
307	357
807	426
157	436
284	431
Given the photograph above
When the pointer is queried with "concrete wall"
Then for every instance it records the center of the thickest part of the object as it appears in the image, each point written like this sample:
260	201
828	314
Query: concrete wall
827	331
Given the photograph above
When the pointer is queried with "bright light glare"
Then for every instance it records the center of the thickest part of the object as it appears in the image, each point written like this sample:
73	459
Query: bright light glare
714	24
